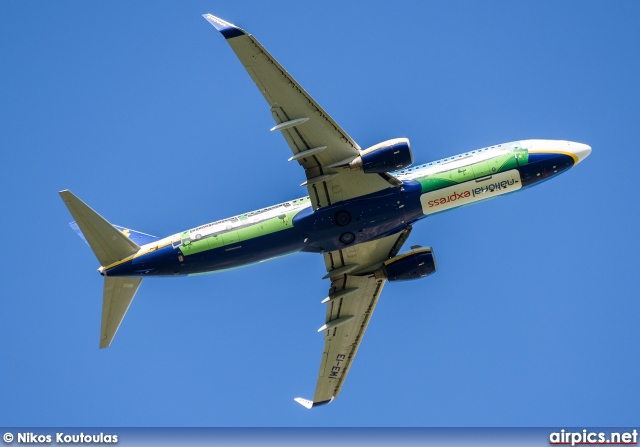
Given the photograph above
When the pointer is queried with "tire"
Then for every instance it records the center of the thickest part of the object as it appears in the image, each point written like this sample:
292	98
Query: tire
342	218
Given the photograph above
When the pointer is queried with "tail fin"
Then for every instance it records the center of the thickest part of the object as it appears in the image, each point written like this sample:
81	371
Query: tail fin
110	245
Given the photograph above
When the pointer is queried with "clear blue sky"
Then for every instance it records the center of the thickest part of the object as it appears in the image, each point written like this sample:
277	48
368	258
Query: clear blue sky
143	111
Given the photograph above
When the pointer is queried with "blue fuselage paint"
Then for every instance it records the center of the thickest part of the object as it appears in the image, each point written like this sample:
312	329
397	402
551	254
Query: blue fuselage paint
543	167
368	217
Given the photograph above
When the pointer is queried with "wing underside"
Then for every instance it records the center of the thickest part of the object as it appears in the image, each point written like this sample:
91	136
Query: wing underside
341	341
317	142
352	298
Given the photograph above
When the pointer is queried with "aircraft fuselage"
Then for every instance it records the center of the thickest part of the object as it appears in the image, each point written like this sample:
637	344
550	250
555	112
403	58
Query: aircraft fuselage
294	226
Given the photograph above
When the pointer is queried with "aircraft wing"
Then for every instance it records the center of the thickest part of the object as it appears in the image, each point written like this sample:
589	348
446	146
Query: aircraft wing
316	140
352	298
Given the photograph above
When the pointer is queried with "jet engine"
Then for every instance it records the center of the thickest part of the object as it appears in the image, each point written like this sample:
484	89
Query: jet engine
387	156
414	265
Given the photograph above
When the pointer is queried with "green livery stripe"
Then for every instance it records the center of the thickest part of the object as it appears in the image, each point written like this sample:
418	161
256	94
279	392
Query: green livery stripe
234	236
434	182
455	176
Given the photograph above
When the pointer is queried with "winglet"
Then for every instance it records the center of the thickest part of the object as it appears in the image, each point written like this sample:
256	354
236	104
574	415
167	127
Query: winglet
304	402
228	30
308	404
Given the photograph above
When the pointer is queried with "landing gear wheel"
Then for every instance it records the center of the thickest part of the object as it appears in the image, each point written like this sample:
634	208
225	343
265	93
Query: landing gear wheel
347	238
342	218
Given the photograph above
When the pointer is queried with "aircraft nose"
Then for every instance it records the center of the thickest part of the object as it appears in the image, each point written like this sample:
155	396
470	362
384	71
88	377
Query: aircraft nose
580	150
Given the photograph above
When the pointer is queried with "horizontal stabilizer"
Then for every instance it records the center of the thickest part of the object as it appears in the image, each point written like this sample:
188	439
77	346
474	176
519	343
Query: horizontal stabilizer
117	297
107	242
74	226
136	236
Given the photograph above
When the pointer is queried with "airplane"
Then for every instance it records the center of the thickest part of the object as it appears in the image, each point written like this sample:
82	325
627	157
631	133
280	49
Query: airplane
360	209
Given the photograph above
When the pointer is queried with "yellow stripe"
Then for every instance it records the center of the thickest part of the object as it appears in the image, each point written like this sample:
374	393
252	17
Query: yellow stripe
137	255
543	151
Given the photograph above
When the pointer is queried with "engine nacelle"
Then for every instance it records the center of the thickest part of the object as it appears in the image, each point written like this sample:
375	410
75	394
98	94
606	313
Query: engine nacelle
387	156
414	265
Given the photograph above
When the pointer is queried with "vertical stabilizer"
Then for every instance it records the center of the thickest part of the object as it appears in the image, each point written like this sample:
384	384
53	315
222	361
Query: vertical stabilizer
107	242
118	294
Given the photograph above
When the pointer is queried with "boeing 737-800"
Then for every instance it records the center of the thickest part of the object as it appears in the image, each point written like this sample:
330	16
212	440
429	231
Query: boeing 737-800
360	209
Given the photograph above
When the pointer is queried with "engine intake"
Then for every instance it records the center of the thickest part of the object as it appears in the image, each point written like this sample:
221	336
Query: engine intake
387	156
414	265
